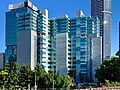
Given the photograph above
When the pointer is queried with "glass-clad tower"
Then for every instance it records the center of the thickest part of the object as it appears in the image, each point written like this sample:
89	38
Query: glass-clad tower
27	37
84	36
21	34
78	46
102	10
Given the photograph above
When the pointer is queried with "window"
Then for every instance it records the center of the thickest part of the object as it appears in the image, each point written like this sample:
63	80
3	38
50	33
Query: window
77	61
83	39
83	66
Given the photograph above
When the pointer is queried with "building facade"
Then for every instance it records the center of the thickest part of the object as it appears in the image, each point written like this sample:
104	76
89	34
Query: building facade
65	45
2	61
102	10
78	46
27	35
119	36
84	35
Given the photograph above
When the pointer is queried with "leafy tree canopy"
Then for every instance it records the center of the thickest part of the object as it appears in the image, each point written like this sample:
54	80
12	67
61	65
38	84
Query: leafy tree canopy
109	70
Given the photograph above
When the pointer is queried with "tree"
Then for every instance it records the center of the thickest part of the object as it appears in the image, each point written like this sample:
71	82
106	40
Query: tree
25	75
3	78
7	68
14	74
67	81
109	70
58	81
12	77
118	54
39	76
48	78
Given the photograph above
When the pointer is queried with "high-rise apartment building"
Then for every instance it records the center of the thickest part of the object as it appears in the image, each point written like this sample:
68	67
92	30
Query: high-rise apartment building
65	45
27	35
78	46
84	38
102	10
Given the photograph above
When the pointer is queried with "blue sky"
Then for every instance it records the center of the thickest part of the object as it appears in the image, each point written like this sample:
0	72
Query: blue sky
60	7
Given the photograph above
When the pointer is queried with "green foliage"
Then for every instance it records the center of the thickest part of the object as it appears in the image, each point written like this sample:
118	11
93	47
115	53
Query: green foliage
118	53
7	68
110	84
3	79
25	75
48	79
13	77
67	81
58	80
10	76
109	70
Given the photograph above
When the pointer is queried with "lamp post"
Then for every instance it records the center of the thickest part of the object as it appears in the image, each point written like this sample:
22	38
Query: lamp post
53	81
35	80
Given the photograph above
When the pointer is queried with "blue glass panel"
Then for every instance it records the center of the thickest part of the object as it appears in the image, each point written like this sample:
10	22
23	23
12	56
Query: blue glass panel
77	61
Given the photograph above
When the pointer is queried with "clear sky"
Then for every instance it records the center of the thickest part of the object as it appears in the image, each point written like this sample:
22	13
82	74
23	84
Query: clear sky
60	7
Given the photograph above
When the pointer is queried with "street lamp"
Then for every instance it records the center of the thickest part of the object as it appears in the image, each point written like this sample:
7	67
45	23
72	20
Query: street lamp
35	80
53	81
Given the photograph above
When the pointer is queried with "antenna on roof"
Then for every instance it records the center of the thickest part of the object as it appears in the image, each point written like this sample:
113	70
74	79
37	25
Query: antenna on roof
26	0
80	13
